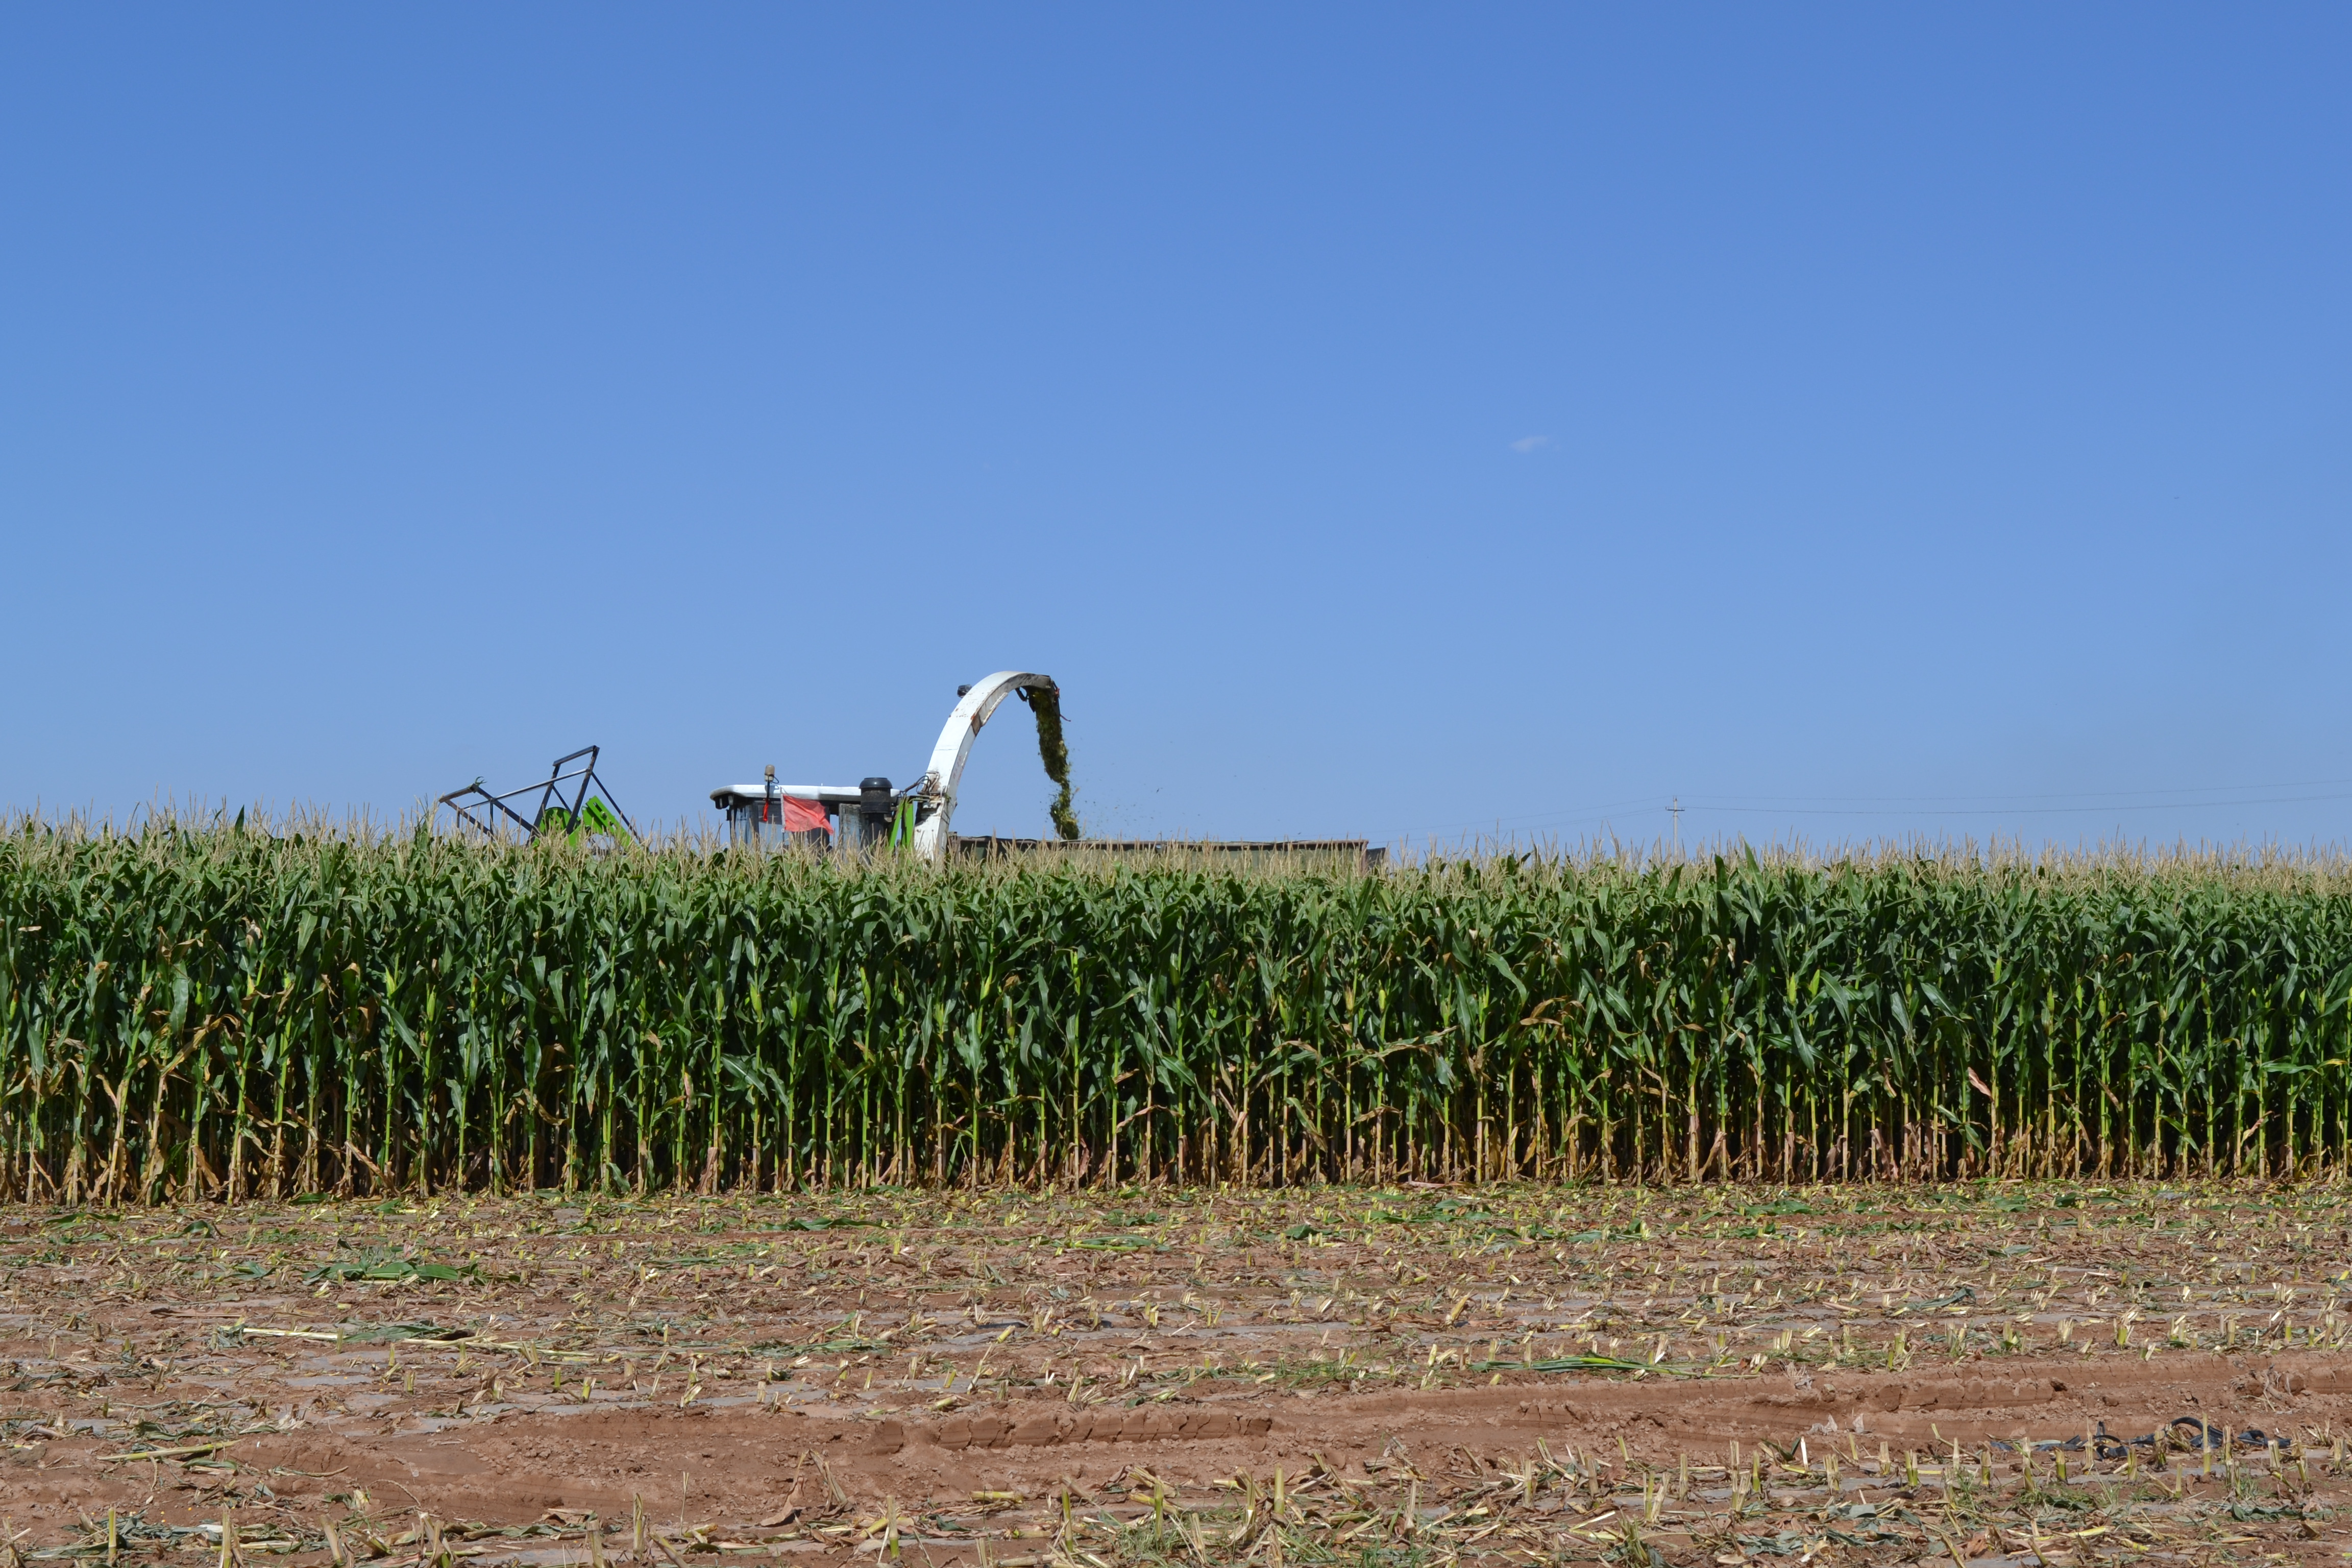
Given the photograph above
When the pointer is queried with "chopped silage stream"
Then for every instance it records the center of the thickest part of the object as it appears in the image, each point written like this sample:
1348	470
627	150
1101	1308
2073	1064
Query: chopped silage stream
1398	1375
1053	751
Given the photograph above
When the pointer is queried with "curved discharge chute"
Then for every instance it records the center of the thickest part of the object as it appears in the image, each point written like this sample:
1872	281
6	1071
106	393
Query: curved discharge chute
937	788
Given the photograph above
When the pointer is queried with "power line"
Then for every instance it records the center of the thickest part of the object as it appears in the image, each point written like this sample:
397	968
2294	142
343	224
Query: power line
1910	805
2015	810
2089	794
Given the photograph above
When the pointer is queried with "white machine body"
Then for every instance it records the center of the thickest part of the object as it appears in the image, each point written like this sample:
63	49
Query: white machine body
937	787
859	813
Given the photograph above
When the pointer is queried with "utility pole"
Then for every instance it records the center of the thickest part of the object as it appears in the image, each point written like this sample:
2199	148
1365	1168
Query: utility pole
1675	811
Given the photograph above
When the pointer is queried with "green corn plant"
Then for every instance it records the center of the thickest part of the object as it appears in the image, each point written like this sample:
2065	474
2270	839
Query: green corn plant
228	1011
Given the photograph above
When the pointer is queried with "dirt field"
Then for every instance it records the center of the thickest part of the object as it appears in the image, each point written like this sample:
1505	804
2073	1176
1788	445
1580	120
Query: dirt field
1374	1377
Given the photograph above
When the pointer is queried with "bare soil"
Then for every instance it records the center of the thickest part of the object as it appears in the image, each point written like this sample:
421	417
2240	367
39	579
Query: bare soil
1400	1375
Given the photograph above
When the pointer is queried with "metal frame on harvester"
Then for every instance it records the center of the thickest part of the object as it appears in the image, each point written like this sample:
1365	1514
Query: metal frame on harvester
574	815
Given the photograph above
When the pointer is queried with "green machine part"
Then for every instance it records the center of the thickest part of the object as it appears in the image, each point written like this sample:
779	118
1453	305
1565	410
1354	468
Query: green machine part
595	817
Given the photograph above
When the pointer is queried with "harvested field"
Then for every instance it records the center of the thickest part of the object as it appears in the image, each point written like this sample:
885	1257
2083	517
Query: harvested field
1379	1375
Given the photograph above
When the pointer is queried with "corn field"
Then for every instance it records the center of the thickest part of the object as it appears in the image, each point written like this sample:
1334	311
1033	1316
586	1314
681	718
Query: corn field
216	1013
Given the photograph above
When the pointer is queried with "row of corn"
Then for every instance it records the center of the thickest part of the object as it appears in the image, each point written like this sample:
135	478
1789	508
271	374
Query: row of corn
216	1012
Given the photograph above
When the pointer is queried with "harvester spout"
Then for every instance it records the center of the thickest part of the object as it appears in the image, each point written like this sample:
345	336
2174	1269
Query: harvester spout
937	787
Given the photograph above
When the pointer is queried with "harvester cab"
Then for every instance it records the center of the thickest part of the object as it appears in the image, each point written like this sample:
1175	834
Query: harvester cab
816	817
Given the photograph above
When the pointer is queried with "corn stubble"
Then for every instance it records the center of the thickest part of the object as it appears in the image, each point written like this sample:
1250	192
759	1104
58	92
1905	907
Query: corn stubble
209	1011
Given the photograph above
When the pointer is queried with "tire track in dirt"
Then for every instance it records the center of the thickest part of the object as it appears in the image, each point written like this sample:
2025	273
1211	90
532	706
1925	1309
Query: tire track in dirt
737	1464
828	1364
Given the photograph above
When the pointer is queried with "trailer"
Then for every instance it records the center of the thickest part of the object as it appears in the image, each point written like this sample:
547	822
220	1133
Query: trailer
1222	854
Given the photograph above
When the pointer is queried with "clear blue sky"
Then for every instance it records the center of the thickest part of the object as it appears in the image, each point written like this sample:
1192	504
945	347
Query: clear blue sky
1381	421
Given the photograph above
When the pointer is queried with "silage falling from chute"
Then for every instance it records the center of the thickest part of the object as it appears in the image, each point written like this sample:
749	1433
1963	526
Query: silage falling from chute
1046	703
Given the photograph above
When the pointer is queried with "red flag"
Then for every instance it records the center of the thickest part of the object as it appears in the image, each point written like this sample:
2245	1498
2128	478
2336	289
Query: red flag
805	817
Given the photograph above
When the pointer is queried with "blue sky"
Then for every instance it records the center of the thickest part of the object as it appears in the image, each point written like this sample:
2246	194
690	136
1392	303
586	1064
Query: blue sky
1852	422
